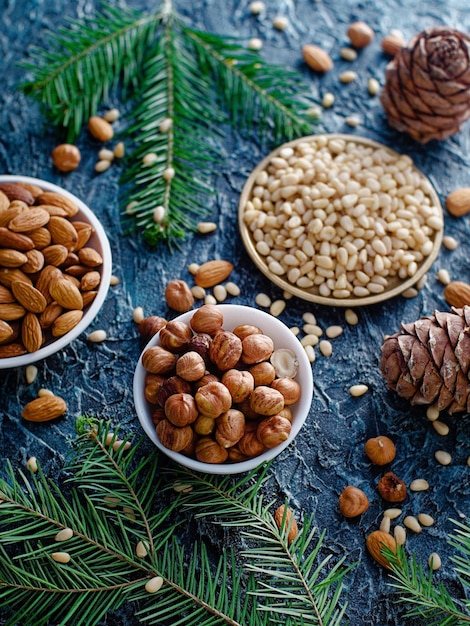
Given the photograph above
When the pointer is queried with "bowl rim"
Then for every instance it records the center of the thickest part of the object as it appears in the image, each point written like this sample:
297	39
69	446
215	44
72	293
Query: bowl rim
54	346
306	294
142	406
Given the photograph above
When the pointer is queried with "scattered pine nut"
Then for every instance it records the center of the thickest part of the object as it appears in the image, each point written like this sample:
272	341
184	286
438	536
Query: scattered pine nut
314	113
312	329
119	150
310	352
358	390
262	299
352	120
131	208
434	561
113	281
351	317
347	77
411	292
432	413
97	336
450	242
373	86
31	373
295	330
412	523
385	524
255	43
328	100
138	314
44	392
309	318
256	7
206	227
443	276
61	557
193	268
109	439
119	443
169	174
422	282
141	550
333	331
220	293
309	340
209	299
287	295
440	428
149	158
105	154
64	534
325	347
129	513
102	166
348	54
419	484
112	115
442	457
400	535
111	501
159	213
154	584
277	307
182	487
232	289
32	464
198	292
425	520
165	125
280	22
392	513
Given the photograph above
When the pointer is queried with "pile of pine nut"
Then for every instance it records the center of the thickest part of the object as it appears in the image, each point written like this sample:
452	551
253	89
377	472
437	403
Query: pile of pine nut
341	217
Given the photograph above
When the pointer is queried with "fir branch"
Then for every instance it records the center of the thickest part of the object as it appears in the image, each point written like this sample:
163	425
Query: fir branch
292	580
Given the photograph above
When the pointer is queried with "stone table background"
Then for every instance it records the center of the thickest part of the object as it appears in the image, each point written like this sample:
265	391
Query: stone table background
328	453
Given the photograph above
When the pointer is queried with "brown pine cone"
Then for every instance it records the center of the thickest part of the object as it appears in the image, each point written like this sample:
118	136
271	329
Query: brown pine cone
429	361
427	85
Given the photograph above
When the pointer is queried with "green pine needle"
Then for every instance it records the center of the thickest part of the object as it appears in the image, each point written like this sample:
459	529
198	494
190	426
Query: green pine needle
204	84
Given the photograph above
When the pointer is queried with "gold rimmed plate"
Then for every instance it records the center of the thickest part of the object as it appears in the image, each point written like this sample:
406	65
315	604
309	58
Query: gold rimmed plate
395	285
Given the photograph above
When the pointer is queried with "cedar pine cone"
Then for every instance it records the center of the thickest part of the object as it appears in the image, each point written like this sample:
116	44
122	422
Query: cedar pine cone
427	84
429	361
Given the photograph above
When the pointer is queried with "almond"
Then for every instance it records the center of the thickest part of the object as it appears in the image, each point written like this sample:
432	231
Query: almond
11	350
7	276
4	201
28	296
457	293
212	272
16	192
458	202
57	199
53	210
41	237
66	294
56	254
34	190
35	262
84	232
65	322
50	314
31	332
285	520
63	232
77	270
90	281
6	331
17	241
6	297
9	312
90	257
29	220
375	543
14	209
392	44
46	277
88	296
316	58
100	128
44	409
12	258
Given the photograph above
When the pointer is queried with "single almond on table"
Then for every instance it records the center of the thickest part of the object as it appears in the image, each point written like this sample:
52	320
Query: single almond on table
316	58
212	273
44	409
458	202
457	293
375	543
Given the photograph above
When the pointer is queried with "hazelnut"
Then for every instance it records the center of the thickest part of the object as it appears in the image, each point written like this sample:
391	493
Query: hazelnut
225	350
170	386
392	488
207	378
150	326
380	450
190	448
235	456
256	348
360	34
230	428
286	522
172	437
213	399
152	384
243	330
285	362
263	373
158	414
181	409
273	430
157	360
190	366
266	401
209	451
249	445
375	543
247	411
289	388
66	157
178	296
207	319
200	342
204	425
287	413
353	502
240	383
175	336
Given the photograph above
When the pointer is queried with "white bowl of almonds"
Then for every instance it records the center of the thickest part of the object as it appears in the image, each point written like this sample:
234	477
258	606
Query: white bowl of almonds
55	268
223	388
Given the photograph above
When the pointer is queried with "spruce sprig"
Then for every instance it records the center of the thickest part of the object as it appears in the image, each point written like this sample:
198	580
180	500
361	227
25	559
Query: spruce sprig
204	83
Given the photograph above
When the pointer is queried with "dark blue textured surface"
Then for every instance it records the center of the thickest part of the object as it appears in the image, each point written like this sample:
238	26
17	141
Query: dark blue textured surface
328	454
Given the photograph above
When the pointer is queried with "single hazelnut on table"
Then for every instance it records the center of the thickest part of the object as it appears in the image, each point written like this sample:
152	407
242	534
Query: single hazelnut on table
157	360
175	336
213	399
230	427
190	366
353	502
360	34
272	431
392	488
66	157
240	383
266	401
380	450
181	409
225	350
209	451
178	296
289	388
173	437
256	348
207	319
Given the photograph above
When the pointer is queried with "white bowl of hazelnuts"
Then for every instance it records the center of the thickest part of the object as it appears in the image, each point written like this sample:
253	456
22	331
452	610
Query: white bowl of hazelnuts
223	388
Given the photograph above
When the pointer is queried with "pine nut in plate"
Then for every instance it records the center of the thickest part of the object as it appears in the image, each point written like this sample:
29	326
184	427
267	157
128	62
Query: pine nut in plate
318	187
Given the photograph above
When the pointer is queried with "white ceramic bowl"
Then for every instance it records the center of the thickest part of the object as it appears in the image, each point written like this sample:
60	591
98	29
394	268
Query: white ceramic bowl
283	338
99	242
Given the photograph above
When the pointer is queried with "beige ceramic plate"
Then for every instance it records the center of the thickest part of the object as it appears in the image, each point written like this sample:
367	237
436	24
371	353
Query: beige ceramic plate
395	285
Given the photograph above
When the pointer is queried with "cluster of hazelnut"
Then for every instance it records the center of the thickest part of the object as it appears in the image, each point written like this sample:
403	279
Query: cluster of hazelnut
218	395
